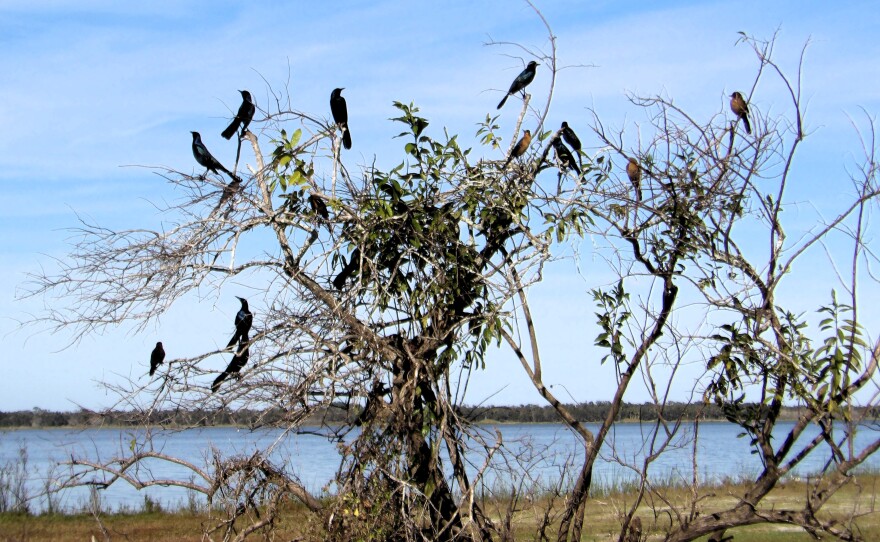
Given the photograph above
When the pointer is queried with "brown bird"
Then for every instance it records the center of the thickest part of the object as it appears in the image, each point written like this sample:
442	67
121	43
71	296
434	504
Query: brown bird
741	109
520	148
634	172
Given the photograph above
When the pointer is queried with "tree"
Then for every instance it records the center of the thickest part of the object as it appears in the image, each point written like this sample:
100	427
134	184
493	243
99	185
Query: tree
383	290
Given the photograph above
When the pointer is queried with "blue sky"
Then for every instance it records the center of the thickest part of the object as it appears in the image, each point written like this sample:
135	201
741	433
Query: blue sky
93	88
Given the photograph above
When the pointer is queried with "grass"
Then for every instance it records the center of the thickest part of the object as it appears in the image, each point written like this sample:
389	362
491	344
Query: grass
601	524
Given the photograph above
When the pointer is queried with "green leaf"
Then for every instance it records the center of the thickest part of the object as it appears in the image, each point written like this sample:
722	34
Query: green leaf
294	139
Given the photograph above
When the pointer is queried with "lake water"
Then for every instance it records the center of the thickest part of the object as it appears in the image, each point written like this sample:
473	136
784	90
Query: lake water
720	454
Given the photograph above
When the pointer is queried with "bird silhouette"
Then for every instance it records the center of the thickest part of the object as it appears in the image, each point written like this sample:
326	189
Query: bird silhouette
318	206
239	360
741	109
340	115
520	148
634	172
566	160
570	137
204	157
354	263
156	357
244	116
243	321
522	81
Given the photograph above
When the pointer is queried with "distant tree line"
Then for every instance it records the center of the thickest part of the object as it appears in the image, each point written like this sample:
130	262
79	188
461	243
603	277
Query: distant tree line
592	411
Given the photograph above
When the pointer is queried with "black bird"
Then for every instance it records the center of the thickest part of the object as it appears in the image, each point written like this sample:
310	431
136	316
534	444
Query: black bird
243	321
350	268
522	81
340	115
206	159
318	206
520	148
156	358
239	360
566	160
570	137
244	116
741	109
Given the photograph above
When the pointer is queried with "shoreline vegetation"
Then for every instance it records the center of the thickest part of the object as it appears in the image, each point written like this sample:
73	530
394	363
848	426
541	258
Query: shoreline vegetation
588	412
153	522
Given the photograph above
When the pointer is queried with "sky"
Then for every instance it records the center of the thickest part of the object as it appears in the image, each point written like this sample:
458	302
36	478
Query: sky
95	92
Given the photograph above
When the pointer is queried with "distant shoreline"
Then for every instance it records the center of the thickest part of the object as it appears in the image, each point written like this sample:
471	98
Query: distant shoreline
591	412
308	425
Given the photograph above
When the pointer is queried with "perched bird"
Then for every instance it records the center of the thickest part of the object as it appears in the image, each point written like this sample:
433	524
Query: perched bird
340	115
741	109
570	137
239	360
520	148
522	81
634	172
243	321
206	159
244	116
318	206
156	357
354	263
228	191
566	160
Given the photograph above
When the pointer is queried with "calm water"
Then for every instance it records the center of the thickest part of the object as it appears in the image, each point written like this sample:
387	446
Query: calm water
314	459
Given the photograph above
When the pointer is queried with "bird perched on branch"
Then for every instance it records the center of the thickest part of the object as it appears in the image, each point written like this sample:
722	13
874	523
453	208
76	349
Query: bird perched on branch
156	357
239	360
634	172
566	160
340	115
520	148
354	263
741	109
243	321
318	206
522	81
244	116
570	137
204	157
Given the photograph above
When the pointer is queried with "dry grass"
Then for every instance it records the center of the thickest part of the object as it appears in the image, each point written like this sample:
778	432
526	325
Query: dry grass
602	520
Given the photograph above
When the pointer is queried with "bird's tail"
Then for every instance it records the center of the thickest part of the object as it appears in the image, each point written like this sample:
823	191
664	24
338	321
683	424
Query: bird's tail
219	380
747	124
233	340
231	129
501	103
235	178
346	137
346	272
